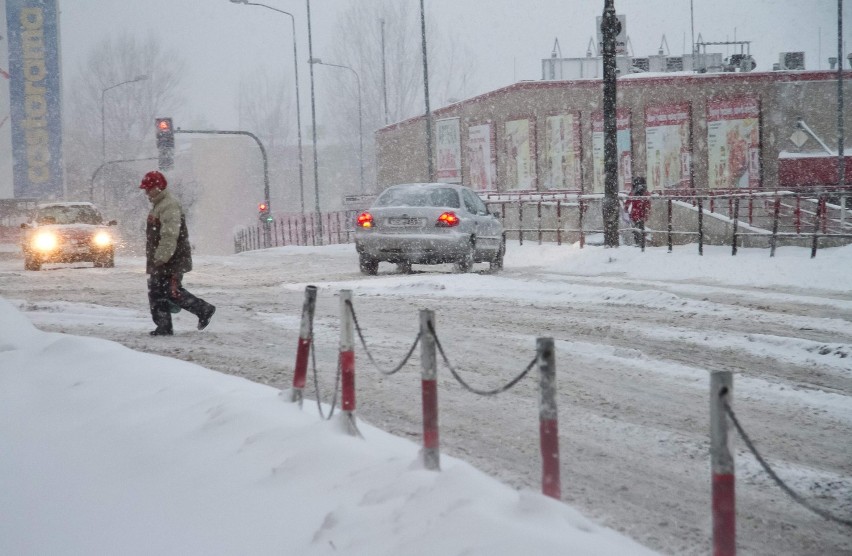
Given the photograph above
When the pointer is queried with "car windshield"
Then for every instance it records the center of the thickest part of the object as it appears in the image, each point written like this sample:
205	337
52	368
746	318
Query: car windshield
419	197
68	214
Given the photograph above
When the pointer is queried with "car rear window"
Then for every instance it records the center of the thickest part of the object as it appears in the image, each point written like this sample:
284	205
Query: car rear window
419	197
68	214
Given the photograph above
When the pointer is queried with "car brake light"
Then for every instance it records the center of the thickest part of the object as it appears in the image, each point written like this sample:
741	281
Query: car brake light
365	220
448	219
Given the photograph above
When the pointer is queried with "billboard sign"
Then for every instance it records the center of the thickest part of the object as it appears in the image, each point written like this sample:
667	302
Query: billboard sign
520	154
733	143
623	151
562	151
35	98
448	142
482	171
667	152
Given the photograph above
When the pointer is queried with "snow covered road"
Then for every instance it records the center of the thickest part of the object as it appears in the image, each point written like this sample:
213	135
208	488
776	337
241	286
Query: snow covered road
636	334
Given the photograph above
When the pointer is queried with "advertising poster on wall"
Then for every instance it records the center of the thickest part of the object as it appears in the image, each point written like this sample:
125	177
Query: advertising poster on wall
34	98
449	150
481	162
520	155
667	150
562	152
623	149
733	143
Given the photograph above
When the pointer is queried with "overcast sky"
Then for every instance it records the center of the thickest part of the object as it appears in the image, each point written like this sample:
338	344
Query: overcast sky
506	40
220	40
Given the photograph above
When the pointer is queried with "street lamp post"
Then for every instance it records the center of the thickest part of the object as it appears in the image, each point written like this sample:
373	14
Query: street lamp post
360	110
298	103
103	120
103	126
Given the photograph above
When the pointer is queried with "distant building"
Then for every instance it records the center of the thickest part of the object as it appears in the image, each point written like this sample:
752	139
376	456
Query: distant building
680	129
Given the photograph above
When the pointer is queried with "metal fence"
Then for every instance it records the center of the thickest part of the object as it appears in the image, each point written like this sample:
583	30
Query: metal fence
739	218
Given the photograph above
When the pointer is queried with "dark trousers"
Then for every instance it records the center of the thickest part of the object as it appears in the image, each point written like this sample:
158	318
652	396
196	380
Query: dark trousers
167	289
639	232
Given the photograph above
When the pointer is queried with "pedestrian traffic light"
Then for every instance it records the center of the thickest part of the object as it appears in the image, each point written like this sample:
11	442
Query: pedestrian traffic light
263	212
165	143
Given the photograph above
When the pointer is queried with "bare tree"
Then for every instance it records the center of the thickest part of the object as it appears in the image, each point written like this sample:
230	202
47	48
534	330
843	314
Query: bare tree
264	107
359	46
128	117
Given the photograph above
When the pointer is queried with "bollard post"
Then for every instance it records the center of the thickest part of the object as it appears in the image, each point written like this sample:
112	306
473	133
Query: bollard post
580	222
429	376
551	484
775	215
303	349
347	361
670	224
722	465
736	224
700	227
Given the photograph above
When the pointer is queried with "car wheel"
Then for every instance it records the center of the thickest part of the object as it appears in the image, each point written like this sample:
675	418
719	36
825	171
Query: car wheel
105	260
404	267
465	263
368	264
31	263
497	262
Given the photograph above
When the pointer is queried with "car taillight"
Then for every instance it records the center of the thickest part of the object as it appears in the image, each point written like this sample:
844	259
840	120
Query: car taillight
448	220
365	220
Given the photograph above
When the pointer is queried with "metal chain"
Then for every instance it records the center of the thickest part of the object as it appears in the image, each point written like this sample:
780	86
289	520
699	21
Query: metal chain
316	380
774	476
465	384
370	355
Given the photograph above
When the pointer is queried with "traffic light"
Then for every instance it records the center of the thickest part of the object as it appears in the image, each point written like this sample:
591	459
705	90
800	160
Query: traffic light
263	212
165	143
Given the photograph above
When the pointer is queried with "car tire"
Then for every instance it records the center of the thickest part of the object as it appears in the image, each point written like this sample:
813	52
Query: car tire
107	260
465	263
31	263
497	262
368	264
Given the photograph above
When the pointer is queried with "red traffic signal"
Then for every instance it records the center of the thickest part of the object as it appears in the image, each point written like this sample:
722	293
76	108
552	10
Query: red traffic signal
165	143
262	207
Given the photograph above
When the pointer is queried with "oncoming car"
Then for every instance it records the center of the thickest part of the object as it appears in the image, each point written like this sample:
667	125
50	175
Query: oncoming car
429	223
68	232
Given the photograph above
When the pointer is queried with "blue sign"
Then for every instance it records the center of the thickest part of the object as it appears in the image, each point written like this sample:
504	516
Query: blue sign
34	96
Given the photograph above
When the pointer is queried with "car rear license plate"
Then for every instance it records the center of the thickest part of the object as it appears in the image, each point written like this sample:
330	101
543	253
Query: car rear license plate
403	221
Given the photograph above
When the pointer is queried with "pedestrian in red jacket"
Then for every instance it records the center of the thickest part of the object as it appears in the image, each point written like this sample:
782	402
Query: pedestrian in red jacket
638	208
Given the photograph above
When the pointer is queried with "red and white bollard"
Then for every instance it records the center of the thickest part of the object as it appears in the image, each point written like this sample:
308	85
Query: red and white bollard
347	361
429	376
722	465
303	350
551	484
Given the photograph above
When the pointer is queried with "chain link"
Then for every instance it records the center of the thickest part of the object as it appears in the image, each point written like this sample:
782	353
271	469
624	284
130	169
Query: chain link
370	355
465	384
316	380
774	476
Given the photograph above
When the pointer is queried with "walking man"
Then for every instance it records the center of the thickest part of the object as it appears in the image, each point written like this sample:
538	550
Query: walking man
168	257
638	208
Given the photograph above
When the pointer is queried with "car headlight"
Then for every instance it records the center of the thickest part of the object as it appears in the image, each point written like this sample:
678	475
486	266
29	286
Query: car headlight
102	239
45	241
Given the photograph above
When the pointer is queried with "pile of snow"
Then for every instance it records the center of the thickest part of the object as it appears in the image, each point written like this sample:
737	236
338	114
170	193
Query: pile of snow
110	451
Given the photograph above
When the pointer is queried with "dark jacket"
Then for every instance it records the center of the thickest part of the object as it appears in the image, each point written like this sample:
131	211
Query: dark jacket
167	249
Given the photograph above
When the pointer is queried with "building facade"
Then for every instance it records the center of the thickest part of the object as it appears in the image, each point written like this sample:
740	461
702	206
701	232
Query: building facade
683	130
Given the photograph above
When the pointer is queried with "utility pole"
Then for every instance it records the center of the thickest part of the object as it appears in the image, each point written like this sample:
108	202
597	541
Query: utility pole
384	73
841	160
610	28
429	163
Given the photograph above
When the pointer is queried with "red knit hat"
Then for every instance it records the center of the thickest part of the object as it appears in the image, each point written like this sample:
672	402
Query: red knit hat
153	179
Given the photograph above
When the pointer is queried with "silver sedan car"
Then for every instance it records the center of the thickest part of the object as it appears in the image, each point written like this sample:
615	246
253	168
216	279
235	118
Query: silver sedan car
429	223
